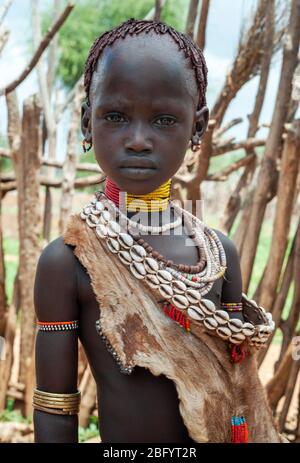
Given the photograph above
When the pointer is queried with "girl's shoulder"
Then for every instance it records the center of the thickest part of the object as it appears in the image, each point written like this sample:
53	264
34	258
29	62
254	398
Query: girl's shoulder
228	244
55	288
57	255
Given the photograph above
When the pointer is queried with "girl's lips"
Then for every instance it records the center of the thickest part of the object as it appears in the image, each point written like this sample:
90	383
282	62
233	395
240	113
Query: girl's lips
138	172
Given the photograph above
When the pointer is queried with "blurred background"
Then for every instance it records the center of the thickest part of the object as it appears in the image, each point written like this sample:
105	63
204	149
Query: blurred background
247	171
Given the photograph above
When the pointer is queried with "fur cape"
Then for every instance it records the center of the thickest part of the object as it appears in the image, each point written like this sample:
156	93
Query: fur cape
210	387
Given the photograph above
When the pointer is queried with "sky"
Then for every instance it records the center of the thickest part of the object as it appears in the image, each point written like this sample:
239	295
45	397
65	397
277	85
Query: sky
226	18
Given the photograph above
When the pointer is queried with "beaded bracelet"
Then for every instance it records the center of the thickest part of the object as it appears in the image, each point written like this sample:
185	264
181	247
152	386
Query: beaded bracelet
232	306
57	326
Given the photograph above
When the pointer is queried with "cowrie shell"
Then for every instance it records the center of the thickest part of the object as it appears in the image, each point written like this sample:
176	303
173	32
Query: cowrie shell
221	316
138	253
195	313
138	270
101	230
210	323
152	280
193	296
164	276
90	220
113	229
179	287
235	325
125	257
262	331
151	265
113	245
269	316
240	337
207	306
224	332
166	291
180	301
95	211
258	342
248	329
105	217
87	210
125	240
99	206
234	341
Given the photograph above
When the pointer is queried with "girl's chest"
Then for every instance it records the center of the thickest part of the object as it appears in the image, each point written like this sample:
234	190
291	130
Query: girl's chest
180	249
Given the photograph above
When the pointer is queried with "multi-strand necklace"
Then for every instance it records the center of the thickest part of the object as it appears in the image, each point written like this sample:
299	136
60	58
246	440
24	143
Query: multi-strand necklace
212	258
182	287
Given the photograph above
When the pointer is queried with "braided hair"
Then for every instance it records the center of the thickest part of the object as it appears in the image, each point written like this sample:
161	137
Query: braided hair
135	27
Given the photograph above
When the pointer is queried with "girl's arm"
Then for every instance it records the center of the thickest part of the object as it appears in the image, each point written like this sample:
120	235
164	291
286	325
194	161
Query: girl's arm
232	282
56	352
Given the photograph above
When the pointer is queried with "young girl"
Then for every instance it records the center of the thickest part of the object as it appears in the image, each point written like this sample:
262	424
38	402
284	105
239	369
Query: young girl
157	302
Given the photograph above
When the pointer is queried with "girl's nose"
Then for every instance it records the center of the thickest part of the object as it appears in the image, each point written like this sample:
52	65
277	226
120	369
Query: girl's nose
138	139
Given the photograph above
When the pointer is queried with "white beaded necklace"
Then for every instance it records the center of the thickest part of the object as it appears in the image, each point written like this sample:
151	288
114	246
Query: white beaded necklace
172	285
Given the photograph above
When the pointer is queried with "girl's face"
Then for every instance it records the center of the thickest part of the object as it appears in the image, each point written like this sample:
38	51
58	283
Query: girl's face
143	112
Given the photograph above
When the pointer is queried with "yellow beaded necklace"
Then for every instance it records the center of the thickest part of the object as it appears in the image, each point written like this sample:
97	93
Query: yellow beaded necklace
154	201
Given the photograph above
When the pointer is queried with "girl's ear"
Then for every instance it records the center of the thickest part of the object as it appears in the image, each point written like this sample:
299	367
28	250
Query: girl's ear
200	122
86	121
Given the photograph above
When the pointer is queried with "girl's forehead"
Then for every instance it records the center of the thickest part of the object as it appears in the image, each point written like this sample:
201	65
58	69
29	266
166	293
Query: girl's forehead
147	64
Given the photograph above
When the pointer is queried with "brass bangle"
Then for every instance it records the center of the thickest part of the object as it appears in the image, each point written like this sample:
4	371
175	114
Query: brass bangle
53	394
53	411
61	404
57	399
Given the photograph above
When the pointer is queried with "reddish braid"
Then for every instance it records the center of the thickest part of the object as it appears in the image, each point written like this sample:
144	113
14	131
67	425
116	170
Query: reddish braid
135	27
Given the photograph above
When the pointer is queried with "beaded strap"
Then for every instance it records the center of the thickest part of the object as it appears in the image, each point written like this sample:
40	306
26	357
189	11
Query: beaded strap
57	326
232	306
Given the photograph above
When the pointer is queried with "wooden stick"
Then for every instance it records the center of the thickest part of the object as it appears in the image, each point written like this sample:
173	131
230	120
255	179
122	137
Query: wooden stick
83	166
191	17
42	47
200	38
244	144
158	8
4	9
223	174
289	393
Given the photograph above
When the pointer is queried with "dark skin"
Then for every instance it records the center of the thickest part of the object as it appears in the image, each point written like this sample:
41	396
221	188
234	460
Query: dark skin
160	117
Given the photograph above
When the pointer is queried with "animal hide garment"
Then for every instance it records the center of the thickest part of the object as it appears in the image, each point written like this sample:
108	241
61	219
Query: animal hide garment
210	387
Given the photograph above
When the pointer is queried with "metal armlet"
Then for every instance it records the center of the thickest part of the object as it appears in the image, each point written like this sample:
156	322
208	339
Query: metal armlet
57	404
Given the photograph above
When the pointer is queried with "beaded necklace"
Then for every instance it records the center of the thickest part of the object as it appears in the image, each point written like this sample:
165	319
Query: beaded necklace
181	286
212	258
157	200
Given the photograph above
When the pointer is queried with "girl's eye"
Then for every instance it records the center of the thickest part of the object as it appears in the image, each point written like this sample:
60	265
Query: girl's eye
115	118
165	120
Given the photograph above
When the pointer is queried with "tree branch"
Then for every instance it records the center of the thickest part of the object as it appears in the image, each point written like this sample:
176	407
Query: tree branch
200	39
42	47
4	9
223	174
